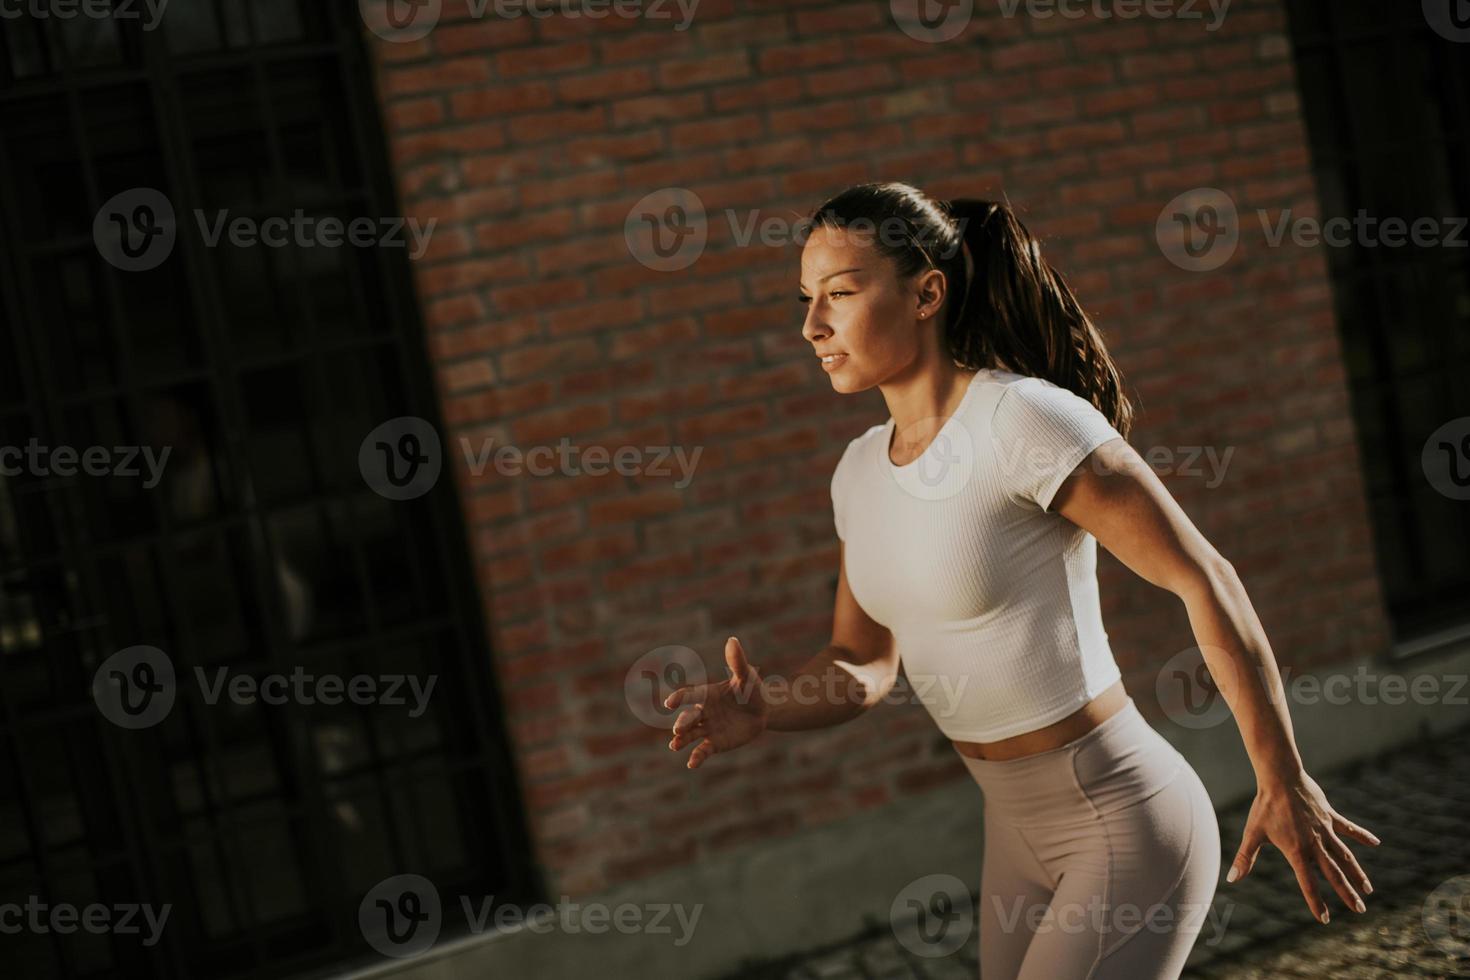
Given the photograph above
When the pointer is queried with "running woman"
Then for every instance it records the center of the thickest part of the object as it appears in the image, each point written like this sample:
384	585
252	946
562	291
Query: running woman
967	526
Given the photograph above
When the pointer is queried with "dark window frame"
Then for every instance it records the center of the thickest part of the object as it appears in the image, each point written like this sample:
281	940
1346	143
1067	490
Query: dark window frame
132	865
1361	124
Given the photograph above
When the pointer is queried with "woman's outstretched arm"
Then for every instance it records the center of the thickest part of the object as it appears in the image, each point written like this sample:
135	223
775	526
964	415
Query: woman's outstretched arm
845	678
1117	497
850	675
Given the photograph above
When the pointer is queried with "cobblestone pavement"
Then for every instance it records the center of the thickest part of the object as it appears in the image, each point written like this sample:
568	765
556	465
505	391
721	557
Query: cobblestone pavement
1417	800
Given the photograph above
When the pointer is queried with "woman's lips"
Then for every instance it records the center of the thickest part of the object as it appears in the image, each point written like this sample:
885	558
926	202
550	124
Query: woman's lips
834	361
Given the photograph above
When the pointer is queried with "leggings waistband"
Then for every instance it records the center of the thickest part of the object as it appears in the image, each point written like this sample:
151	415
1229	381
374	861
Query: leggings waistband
1120	762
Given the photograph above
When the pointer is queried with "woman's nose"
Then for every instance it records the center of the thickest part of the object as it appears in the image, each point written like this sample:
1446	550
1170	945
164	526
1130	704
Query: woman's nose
812	327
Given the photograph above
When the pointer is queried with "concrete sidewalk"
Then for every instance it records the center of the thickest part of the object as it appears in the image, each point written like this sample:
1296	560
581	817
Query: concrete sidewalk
1417	800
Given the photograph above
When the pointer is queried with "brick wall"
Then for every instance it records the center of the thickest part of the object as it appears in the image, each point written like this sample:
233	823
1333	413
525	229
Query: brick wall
530	140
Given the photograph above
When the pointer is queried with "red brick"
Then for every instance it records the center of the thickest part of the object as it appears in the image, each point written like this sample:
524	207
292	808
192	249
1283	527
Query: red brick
451	276
482	34
801	57
437	77
517	231
603	315
546	292
542	60
654	108
535	359
611	84
501	100
409	114
628	342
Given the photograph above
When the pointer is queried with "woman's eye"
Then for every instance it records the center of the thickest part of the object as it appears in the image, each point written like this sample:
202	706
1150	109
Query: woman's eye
839	292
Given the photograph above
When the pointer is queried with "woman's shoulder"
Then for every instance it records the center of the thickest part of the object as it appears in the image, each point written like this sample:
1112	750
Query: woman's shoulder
858	444
1004	379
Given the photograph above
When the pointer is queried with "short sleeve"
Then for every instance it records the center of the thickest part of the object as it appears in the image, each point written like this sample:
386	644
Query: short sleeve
837	498
842	477
1041	432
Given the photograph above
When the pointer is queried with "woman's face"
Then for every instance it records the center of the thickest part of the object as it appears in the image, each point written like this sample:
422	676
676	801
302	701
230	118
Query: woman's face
858	309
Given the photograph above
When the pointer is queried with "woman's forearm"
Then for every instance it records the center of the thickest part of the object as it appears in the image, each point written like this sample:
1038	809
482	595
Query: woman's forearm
829	689
1235	649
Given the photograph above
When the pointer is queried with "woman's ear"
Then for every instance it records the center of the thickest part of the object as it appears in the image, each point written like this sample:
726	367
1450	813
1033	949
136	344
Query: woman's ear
930	294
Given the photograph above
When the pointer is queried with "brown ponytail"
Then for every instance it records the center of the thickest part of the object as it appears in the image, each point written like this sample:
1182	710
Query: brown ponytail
1015	312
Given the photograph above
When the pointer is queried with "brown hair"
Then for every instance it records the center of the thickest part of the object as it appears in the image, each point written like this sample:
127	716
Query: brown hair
1016	313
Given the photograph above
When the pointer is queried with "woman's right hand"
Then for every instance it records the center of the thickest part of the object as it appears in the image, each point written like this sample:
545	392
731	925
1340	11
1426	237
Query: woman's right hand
725	715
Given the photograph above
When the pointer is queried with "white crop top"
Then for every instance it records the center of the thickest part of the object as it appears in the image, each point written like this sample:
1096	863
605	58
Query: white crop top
991	599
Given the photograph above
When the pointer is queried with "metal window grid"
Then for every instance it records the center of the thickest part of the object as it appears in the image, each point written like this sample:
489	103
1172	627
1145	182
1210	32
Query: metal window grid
242	821
1386	99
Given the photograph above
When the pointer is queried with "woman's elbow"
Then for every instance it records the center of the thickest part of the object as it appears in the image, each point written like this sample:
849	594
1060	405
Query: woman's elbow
1204	578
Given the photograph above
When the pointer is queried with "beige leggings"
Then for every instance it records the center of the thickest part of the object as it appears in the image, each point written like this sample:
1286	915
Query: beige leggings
1101	858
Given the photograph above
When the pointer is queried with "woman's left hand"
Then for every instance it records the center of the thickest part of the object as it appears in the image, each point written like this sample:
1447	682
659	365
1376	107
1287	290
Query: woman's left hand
1295	816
